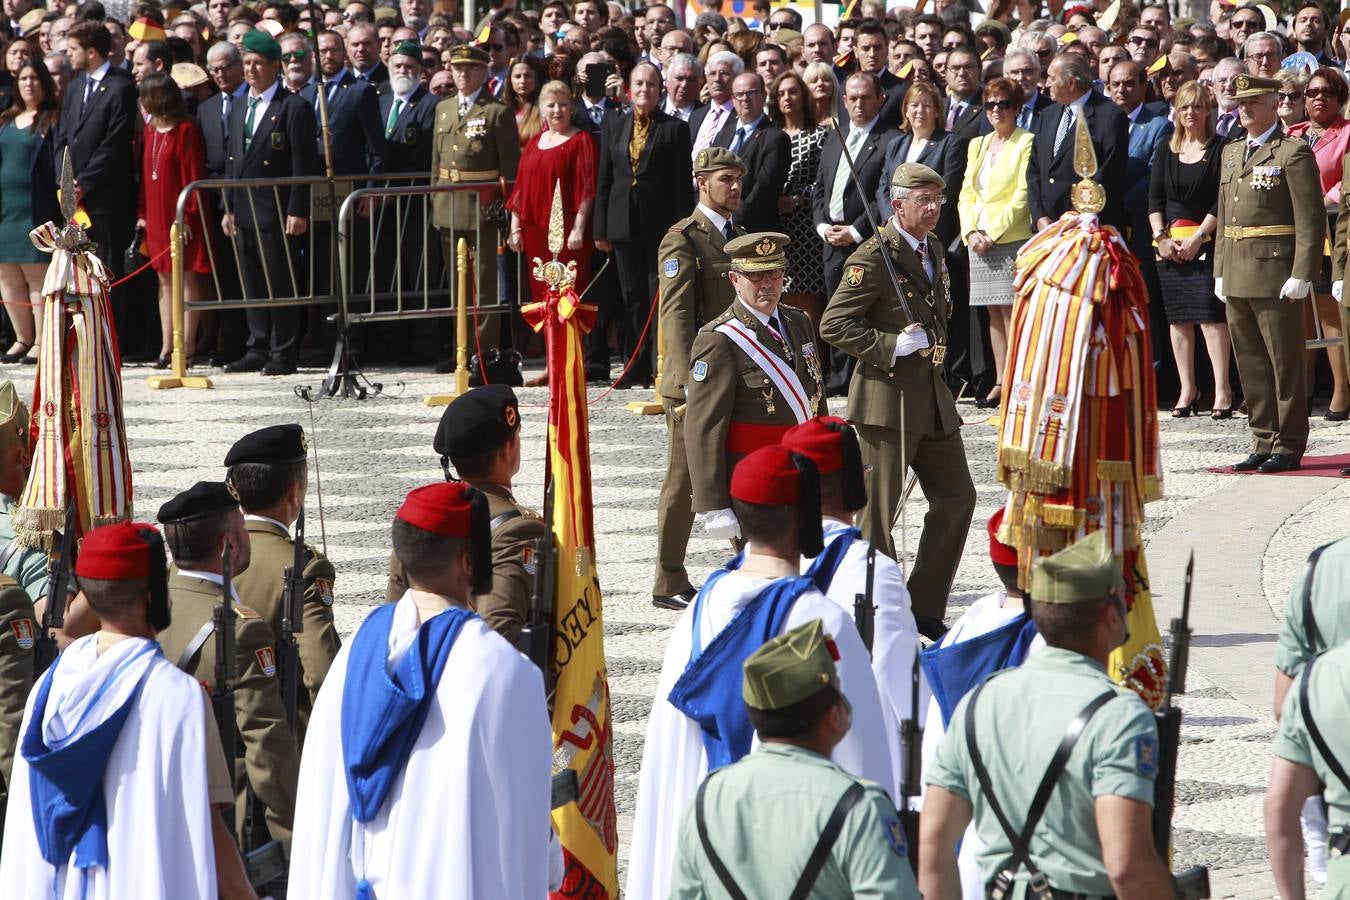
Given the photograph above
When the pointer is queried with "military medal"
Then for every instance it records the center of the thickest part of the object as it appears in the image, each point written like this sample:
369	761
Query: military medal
769	406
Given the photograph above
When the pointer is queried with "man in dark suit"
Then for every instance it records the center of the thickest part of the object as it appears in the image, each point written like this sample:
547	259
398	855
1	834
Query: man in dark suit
98	122
1023	69
363	48
871	49
763	148
354	125
840	213
964	115
592	111
408	112
271	136
644	187
1050	174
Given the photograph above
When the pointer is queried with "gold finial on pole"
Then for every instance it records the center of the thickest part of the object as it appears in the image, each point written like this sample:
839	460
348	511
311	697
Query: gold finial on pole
1088	196
553	273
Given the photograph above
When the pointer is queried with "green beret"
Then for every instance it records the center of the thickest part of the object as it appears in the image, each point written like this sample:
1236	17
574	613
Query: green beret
408	48
205	498
13	415
273	444
1247	86
913	175
260	42
714	158
468	55
1083	571
758	252
791	667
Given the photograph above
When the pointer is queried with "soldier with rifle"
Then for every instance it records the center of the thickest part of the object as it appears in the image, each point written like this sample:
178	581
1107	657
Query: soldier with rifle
287	582
1084	827
205	532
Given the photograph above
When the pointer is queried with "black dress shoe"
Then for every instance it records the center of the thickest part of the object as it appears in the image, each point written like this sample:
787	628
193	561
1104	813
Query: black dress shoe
931	628
675	601
1251	463
1279	462
249	362
277	366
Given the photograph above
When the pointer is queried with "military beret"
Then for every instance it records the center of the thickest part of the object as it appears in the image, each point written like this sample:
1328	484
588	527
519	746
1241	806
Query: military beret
913	175
273	444
1083	571
791	667
385	13
187	75
13	415
260	42
468	55
408	48
758	252
205	498
1246	87
713	158
786	37
478	422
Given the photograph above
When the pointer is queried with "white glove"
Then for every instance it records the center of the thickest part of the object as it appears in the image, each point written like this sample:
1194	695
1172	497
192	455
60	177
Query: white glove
1295	289
720	523
1218	290
909	341
1336	288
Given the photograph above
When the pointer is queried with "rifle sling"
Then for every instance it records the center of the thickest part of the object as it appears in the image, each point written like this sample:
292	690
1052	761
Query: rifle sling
1021	849
10	549
1309	620
820	854
1314	732
195	645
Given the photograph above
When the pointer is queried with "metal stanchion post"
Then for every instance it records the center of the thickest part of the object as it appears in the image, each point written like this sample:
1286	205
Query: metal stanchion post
461	330
180	377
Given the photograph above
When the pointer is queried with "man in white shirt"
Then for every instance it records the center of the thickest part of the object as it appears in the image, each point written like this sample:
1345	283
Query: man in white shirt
706	123
684	80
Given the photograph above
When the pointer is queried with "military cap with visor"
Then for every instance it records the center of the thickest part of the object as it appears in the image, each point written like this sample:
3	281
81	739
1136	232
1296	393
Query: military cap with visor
759	252
1247	87
790	668
468	55
1084	571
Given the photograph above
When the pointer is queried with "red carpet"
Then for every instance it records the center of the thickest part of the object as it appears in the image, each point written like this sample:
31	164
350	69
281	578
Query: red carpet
1323	466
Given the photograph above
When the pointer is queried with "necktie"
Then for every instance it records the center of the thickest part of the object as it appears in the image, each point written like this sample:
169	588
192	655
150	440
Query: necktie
726	230
712	124
597	114
1065	123
1225	124
1252	147
492	85
225	102
739	140
463	106
953	112
393	117
248	120
1024	117
922	250
777	331
88	90
836	210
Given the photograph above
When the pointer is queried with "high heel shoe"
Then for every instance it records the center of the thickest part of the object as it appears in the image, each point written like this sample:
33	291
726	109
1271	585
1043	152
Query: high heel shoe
20	348
1337	415
1222	412
1185	412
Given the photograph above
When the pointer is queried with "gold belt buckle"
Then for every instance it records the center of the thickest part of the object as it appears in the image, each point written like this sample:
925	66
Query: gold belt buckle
939	354
454	175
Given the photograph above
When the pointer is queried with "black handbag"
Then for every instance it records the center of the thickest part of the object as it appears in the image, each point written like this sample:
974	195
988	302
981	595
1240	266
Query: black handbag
132	257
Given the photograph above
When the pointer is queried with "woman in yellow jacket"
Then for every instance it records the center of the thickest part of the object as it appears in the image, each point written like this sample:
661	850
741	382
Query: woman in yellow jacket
995	216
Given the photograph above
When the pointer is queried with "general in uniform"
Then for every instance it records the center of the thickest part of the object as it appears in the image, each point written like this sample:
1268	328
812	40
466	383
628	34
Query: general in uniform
479	436
198	524
694	289
765	818
475	140
1004	737
1272	223
754	373
268	469
898	400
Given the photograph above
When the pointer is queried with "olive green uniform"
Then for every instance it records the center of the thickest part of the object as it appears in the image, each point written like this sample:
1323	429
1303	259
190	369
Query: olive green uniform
770	809
726	388
1326	597
515	531
1272	223
482	145
888	396
1020	719
25	565
260	588
271	762
694	288
1327	694
18	637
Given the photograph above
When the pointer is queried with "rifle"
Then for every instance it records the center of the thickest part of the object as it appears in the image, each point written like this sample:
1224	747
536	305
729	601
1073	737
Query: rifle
1192	884
292	623
864	612
58	582
911	760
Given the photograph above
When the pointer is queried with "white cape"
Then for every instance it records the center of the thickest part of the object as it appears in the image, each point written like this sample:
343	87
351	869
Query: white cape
154	786
983	616
468	816
673	761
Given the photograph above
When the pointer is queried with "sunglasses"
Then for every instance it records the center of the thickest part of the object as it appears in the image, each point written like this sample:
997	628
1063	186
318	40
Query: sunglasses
774	26
998	104
1141	41
1246	23
294	55
1290	96
1314	93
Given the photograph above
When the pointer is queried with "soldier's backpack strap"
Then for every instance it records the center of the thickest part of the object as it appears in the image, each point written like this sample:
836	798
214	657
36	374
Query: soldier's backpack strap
1309	620
1314	732
714	860
195	644
505	517
8	553
1002	883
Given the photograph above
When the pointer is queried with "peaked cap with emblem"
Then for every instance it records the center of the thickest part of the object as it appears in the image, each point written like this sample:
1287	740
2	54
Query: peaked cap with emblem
1085	570
1246	87
758	252
712	159
915	175
273	444
791	667
203	499
468	55
13	415
478	422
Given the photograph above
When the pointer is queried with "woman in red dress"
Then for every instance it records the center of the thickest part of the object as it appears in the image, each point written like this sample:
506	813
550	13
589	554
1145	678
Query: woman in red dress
173	156
561	154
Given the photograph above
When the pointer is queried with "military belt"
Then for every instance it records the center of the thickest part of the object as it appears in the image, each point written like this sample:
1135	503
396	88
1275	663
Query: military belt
1339	843
457	175
1243	232
935	354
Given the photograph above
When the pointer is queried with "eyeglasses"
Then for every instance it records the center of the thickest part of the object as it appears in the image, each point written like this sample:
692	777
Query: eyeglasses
774	26
1291	96
1269	54
294	55
219	69
1138	40
1245	23
355	17
745	95
998	104
1314	93
926	202
757	277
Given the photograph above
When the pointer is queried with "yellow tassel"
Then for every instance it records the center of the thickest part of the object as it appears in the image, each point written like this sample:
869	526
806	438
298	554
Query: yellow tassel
1115	469
1063	515
1153	488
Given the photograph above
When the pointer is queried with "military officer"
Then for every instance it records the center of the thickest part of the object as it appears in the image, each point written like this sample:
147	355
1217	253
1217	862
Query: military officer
1268	251
1312	751
479	436
754	373
898	401
18	636
476	140
694	288
199	524
772	810
23	564
269	471
1017	722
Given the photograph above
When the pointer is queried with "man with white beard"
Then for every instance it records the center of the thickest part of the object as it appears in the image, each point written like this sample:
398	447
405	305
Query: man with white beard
297	62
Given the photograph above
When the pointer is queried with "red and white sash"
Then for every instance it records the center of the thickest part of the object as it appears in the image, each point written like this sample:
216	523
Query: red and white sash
779	372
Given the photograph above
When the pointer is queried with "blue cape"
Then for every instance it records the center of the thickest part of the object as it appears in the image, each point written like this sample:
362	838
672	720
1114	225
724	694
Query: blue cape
955	670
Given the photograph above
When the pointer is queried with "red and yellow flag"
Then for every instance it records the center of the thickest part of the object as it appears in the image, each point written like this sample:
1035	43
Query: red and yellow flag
582	732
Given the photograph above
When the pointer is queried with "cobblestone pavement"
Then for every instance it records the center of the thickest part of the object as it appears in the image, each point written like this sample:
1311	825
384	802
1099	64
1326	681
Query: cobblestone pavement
372	452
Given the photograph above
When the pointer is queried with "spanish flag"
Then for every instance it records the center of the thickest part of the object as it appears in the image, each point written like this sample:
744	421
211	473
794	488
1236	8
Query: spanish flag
582	731
146	29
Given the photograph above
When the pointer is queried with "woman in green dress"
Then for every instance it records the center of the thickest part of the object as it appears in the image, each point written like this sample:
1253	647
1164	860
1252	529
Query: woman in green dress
27	199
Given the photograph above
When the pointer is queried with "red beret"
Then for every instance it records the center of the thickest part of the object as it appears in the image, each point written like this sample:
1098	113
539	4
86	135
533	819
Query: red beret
440	508
815	438
1000	554
115	552
767	477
